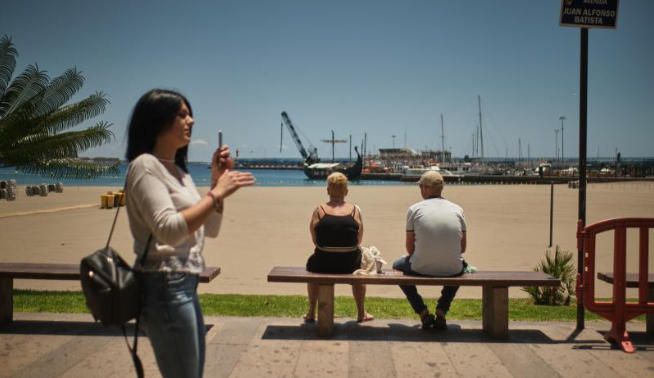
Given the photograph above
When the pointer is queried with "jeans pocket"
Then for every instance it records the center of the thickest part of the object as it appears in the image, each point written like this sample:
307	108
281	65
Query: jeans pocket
180	288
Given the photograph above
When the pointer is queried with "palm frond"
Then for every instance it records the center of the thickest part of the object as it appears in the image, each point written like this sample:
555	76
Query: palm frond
60	90
41	148
74	114
8	54
34	114
13	127
28	84
71	168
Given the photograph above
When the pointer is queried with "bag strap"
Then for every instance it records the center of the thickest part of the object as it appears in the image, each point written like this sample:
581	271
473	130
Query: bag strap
113	225
138	366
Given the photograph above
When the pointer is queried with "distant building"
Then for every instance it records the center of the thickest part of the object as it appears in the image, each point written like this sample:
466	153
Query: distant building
436	155
397	153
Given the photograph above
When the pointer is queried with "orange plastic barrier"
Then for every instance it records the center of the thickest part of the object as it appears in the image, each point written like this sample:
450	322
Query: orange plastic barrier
617	311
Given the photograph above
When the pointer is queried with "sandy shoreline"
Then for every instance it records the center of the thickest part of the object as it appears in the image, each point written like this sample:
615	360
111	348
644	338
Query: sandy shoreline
268	226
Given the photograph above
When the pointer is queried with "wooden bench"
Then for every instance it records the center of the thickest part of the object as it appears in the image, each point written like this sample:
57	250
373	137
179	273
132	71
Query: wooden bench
632	281
495	288
11	271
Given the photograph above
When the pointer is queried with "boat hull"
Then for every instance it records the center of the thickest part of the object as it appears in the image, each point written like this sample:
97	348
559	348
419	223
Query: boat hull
351	171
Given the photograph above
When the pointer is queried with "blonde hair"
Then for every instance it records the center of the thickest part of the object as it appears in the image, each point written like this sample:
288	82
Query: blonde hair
337	185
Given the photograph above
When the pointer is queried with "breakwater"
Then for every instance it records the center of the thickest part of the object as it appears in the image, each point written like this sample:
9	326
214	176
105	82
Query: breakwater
502	179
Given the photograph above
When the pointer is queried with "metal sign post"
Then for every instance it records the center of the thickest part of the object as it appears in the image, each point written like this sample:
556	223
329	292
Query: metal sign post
583	102
589	13
585	14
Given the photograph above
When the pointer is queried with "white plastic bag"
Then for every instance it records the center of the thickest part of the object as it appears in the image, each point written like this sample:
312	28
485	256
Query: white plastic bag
371	261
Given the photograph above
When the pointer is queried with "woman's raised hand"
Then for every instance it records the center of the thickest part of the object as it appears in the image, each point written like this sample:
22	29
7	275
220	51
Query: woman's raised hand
220	161
231	181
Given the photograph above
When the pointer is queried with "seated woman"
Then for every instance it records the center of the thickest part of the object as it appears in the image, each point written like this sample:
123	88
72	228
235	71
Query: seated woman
336	229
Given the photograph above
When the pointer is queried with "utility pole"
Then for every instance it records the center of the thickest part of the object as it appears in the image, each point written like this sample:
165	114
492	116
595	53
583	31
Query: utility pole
442	139
519	150
562	118
528	155
556	144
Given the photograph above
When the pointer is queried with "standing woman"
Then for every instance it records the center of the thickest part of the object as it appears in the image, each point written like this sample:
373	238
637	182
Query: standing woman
169	219
336	229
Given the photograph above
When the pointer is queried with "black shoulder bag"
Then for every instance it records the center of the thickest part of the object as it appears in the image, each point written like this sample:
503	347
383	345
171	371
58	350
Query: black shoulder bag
113	291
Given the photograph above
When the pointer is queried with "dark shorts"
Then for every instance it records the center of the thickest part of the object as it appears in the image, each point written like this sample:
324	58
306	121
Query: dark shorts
334	262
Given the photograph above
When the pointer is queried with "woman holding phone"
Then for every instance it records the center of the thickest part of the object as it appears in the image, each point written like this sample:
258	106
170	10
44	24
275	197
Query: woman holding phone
169	218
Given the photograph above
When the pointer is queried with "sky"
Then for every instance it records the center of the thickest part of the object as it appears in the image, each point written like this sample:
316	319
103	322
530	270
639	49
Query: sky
385	68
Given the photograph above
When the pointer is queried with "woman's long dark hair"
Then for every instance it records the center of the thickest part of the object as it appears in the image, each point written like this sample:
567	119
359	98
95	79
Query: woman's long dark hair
154	113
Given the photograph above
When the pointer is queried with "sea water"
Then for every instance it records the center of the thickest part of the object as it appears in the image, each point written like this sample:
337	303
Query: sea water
199	171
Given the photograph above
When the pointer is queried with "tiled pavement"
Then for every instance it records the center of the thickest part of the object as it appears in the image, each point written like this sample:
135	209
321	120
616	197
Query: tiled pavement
54	345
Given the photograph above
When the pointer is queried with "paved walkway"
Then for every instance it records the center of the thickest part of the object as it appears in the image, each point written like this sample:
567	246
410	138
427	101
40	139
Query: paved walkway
54	345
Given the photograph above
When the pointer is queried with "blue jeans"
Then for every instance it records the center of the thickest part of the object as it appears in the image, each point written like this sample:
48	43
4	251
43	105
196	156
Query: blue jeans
172	319
403	264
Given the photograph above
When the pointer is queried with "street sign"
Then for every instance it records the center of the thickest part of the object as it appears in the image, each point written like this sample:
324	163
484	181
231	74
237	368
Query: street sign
589	13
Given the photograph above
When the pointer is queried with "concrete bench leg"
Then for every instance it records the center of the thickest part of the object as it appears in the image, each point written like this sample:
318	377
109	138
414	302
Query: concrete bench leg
6	300
325	310
496	312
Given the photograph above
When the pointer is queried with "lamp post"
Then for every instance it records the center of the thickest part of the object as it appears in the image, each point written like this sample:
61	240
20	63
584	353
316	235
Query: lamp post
562	118
393	136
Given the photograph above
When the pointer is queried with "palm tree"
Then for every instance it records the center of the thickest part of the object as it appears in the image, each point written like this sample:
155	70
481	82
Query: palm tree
35	121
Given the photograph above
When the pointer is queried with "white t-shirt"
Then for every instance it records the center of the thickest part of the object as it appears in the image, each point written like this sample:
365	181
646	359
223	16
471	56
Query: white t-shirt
154	201
438	226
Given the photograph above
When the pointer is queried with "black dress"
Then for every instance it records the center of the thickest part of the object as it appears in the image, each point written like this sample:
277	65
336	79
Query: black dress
337	239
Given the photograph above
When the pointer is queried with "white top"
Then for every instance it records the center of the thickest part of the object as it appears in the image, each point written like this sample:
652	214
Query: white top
154	201
438	226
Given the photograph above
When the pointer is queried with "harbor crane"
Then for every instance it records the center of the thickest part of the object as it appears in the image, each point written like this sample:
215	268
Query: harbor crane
310	156
313	168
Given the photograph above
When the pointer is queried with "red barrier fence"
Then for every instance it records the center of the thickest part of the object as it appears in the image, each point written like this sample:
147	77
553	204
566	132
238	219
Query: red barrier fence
618	311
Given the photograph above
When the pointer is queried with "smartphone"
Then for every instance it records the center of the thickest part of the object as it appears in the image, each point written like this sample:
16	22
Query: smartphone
220	144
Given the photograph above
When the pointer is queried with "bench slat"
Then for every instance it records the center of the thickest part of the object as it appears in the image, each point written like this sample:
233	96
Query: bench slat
391	277
44	271
632	278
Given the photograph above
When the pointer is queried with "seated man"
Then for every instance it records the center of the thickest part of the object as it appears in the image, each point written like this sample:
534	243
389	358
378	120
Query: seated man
435	240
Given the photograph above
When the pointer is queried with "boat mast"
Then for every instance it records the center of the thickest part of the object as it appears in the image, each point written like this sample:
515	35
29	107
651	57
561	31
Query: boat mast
333	142
350	146
481	133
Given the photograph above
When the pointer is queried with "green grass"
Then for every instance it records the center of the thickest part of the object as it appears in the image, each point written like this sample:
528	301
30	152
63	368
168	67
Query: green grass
295	306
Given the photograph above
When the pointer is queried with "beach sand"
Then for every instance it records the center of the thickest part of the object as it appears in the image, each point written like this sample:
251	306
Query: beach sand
508	229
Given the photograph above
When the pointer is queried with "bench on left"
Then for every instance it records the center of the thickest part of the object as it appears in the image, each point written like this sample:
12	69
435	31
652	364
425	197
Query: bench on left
37	271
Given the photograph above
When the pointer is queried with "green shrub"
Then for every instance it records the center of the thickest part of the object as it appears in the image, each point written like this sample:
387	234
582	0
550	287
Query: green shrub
560	266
